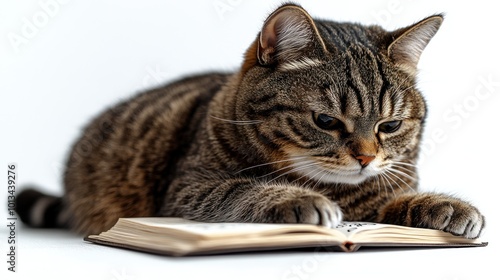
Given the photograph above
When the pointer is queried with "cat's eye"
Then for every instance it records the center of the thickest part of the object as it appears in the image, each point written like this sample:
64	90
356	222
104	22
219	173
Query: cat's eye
389	127
327	122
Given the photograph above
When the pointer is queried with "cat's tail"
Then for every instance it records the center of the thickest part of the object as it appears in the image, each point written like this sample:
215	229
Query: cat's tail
40	210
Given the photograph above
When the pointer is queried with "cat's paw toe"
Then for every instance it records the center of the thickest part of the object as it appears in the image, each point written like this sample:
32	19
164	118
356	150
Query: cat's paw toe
317	211
307	209
465	221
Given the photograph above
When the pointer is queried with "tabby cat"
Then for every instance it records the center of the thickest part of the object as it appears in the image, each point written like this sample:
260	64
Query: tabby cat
321	123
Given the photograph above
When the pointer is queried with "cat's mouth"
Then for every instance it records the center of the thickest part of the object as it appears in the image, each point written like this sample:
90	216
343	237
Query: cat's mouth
326	173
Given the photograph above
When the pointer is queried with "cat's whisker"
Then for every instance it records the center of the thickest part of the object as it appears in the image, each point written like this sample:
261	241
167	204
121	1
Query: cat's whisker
388	183
404	163
389	174
236	122
391	185
397	177
411	178
275	171
270	163
379	179
392	180
385	184
311	178
294	169
320	179
294	158
405	166
409	172
305	175
378	183
315	181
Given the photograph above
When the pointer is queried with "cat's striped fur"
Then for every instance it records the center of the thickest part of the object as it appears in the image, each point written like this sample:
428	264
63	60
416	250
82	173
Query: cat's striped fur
322	123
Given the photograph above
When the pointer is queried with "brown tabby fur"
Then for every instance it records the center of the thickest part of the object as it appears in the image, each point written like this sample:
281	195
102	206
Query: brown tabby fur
245	147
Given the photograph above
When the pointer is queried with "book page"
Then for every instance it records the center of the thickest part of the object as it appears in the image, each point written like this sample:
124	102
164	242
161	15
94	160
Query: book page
366	232
214	230
219	230
351	228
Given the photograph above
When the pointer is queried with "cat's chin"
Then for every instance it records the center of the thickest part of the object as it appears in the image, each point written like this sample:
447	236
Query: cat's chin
344	179
354	177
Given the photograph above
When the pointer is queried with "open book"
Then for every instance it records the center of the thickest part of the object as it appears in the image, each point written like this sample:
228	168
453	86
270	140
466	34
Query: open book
179	237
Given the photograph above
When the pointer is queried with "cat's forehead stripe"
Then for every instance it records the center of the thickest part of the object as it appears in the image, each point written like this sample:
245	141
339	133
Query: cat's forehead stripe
341	36
358	94
388	103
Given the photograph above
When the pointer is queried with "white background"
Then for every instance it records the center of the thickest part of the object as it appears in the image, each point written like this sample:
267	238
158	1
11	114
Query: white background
63	62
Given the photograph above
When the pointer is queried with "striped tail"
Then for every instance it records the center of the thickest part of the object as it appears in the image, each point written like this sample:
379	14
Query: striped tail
40	210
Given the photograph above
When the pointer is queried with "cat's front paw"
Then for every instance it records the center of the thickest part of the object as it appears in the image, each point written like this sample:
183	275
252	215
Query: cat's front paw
452	215
443	212
312	208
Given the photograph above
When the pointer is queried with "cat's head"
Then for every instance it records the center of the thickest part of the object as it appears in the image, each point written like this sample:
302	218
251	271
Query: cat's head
335	102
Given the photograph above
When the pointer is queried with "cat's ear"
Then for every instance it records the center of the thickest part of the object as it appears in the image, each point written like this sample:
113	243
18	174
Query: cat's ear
288	35
409	42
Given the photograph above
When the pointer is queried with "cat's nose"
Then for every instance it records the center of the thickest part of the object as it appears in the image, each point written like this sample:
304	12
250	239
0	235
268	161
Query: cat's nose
364	160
